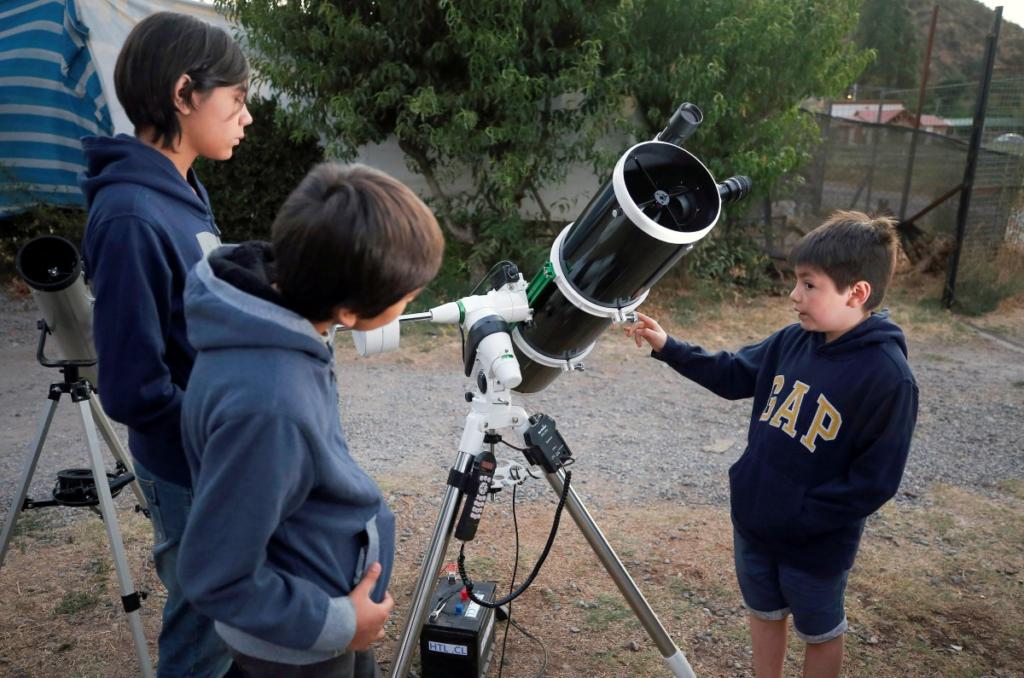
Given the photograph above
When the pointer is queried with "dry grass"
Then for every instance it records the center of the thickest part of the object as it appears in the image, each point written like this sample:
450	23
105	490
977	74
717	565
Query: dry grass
60	600
938	591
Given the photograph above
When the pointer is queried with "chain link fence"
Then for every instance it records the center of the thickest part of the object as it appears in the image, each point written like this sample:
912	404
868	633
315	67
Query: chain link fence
869	161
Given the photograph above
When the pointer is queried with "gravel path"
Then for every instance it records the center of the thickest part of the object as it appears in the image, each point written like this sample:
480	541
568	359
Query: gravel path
639	432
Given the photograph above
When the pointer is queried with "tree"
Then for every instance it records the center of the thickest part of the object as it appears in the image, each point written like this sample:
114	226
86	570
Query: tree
886	26
748	64
510	92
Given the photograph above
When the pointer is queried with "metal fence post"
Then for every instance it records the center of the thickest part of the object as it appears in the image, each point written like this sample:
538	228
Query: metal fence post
971	166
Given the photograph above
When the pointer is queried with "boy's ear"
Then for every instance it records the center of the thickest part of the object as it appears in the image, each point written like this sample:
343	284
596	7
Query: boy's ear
182	94
345	317
860	292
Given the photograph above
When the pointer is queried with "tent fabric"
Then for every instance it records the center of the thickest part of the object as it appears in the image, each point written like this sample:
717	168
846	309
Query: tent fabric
57	85
111	21
50	96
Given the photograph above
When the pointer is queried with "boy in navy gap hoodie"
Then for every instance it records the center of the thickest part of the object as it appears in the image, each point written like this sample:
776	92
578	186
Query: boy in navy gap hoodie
834	410
289	544
183	84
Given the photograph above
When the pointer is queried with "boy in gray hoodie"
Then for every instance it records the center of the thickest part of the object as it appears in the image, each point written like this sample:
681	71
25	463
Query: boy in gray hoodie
289	545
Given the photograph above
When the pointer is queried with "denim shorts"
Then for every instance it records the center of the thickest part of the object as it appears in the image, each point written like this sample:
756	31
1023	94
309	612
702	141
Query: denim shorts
772	590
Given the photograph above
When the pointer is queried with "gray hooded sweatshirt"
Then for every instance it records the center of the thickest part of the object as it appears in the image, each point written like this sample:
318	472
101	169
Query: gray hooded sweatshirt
283	522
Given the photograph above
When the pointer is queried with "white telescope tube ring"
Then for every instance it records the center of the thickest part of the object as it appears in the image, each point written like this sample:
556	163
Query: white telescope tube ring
645	223
547	361
577	299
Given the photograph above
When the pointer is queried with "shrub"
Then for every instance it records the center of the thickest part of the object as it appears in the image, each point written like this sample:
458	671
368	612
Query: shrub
247	190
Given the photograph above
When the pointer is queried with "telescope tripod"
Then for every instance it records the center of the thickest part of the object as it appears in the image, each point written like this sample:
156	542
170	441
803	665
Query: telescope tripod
487	415
74	488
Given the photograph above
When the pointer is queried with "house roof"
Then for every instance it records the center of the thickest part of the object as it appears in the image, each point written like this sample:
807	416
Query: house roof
898	115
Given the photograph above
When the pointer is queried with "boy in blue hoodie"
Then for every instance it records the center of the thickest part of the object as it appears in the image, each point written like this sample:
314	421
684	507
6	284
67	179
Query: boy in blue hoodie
289	544
834	410
183	84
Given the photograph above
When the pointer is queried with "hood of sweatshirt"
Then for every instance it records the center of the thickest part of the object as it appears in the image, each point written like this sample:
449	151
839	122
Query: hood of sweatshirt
123	159
875	329
230	302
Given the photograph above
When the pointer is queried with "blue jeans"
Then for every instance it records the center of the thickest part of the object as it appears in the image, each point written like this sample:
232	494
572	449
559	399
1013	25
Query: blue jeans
773	590
188	644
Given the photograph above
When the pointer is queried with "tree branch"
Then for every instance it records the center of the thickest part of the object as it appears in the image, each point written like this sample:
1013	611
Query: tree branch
461	233
540	203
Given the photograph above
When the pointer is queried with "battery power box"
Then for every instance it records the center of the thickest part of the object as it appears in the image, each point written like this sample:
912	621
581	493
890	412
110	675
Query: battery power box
459	641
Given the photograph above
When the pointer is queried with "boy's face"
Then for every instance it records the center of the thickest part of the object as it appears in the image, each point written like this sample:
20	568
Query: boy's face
823	308
385	317
216	122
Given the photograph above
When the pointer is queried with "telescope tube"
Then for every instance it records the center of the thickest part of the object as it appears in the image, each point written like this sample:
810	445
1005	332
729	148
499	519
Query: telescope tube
661	199
52	268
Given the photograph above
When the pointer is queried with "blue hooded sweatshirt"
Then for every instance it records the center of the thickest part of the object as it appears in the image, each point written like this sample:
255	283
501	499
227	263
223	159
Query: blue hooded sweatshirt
147	228
283	523
829	434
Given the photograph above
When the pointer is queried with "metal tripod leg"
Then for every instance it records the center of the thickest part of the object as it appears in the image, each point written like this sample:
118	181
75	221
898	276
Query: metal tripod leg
432	557
129	596
115	447
28	469
672	655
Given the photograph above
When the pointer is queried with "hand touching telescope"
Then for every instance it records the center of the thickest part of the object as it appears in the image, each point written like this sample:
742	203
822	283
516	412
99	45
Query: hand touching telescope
647	329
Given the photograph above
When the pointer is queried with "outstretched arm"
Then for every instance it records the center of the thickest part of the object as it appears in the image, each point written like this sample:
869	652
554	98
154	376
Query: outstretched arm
729	375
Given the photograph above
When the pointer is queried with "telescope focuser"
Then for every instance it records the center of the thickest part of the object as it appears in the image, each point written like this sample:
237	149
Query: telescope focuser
682	124
734	188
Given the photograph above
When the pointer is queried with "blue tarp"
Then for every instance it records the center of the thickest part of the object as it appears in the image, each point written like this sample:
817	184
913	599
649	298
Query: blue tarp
50	96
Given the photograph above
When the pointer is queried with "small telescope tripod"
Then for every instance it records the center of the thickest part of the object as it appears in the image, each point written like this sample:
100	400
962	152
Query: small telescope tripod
489	413
76	488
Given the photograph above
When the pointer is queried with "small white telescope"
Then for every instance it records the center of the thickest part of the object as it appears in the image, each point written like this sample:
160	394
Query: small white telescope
52	268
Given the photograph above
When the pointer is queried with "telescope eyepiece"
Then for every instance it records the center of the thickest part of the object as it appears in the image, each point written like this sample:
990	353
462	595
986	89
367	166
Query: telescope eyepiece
682	124
734	188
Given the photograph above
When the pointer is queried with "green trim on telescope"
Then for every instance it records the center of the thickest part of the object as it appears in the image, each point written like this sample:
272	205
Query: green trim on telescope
540	281
462	311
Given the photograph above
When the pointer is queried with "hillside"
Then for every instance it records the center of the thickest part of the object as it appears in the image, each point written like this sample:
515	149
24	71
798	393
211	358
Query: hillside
960	40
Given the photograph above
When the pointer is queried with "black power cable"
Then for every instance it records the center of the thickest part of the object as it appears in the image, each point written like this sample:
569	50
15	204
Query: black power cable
544	661
536	568
512	622
512	583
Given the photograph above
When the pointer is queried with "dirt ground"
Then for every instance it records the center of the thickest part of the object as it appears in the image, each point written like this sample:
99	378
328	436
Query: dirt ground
938	589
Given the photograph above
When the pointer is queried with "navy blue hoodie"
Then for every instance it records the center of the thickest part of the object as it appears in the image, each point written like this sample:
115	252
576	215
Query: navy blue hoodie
147	228
283	521
829	434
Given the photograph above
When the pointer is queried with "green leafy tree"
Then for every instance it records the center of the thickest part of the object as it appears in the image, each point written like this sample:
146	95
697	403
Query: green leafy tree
887	27
748	64
509	93
494	100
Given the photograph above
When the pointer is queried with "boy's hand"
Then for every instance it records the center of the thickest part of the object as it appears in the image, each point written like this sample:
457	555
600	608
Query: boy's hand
370	616
647	328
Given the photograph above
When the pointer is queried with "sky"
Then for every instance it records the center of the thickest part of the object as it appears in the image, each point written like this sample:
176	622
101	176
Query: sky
1013	10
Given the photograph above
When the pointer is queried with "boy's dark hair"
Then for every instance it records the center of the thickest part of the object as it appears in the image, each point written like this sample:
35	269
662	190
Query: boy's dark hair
353	237
852	246
158	51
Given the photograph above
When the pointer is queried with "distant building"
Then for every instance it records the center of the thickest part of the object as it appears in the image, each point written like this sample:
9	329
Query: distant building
888	113
847	108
